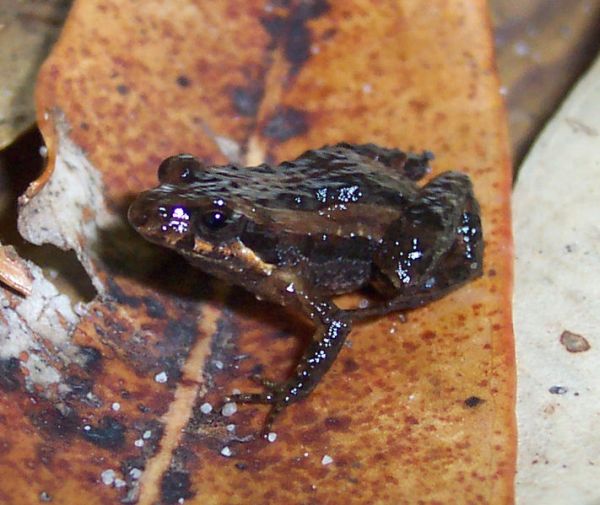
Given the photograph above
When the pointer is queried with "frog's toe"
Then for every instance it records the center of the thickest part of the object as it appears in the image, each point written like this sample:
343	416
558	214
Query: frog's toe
264	398
263	381
269	397
275	396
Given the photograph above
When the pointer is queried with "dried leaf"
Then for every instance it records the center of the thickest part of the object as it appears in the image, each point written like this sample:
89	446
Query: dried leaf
418	408
542	48
557	308
13	271
28	29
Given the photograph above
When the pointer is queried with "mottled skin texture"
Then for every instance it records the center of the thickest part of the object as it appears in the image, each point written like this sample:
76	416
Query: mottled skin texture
332	221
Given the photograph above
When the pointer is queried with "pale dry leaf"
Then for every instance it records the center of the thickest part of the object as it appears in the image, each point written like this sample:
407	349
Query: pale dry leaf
557	305
37	329
69	210
28	29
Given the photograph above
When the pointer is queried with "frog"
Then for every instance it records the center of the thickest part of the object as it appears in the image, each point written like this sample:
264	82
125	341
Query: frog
335	220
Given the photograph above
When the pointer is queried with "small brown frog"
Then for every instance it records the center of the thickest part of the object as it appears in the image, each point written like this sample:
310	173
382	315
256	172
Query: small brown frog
332	221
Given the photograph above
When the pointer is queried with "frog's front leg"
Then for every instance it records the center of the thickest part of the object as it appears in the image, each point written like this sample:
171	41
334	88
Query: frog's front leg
333	326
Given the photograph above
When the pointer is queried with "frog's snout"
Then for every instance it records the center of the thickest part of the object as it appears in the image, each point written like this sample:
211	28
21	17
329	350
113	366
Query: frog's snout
138	213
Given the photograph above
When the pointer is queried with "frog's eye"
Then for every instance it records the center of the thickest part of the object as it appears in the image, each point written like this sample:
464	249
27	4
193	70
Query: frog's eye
178	169
215	219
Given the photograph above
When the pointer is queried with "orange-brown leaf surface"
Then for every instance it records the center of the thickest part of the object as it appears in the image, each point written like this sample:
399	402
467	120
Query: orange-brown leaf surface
414	410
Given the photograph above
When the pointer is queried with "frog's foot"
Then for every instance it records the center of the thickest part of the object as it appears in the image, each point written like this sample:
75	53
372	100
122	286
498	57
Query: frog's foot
264	398
333	325
269	397
274	396
268	384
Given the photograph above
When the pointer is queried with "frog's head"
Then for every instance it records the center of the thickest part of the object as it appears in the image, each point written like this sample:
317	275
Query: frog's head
185	213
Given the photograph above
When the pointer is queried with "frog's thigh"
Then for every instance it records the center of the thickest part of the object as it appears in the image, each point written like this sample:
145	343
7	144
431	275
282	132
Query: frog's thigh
414	244
401	302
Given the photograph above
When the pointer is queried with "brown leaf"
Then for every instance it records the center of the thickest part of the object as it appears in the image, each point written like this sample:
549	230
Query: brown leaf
417	408
14	272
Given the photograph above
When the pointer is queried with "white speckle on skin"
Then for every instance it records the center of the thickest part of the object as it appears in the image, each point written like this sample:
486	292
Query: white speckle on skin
161	377
363	304
230	427
315	49
87	427
290	287
139	443
181	501
206	408
235	391
226	451
272	436
367	88
116	406
108	477
120	483
306	454
229	409
327	460
147	434
218	364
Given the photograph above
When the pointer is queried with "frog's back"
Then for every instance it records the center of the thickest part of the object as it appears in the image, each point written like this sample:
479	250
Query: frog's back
338	175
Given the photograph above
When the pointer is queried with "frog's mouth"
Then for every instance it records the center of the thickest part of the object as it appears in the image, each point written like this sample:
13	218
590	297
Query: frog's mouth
233	253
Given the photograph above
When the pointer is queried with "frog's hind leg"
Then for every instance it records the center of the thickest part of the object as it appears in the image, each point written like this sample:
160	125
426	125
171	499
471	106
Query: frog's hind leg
436	248
333	326
403	302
